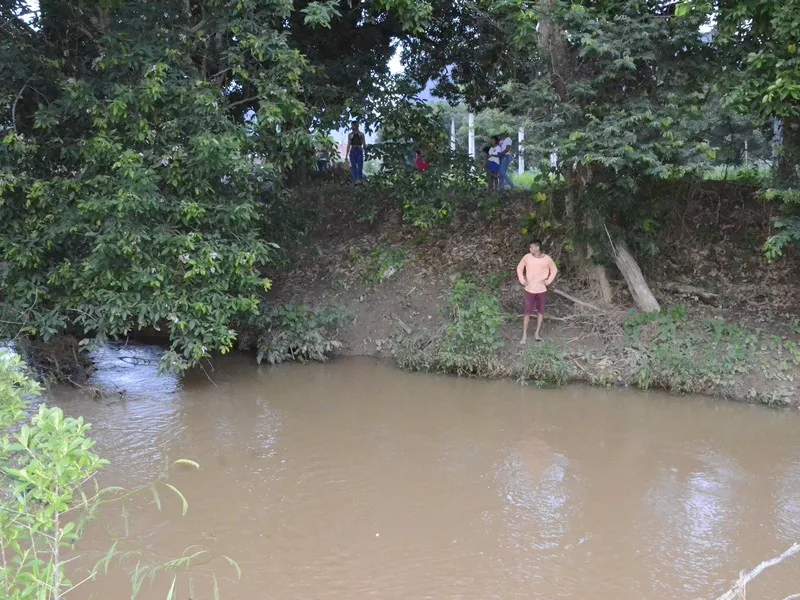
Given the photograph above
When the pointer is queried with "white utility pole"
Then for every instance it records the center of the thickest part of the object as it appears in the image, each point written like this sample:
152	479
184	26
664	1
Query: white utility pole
471	135
453	134
521	149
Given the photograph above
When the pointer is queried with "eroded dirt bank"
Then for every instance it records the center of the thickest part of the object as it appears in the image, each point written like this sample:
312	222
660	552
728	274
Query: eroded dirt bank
729	324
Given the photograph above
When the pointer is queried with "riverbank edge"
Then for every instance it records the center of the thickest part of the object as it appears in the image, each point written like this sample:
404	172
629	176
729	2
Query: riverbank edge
519	373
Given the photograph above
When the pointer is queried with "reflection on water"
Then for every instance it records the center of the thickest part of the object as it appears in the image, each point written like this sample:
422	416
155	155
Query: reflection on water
787	501
354	480
133	371
699	519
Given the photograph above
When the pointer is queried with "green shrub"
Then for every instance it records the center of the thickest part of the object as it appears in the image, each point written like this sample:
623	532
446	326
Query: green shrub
473	336
674	367
546	363
414	354
427	199
381	264
365	199
45	462
672	356
425	202
787	225
300	333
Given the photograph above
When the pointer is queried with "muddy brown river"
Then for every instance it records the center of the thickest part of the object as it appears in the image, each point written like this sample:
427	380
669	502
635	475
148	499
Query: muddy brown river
354	480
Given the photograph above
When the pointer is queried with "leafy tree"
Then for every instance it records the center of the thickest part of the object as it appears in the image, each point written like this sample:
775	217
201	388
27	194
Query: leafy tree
144	151
613	86
135	191
758	51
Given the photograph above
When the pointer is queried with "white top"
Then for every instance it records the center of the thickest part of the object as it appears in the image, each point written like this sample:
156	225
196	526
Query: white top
506	143
494	154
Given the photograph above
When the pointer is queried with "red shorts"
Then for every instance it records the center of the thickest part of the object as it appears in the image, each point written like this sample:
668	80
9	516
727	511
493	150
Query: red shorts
534	303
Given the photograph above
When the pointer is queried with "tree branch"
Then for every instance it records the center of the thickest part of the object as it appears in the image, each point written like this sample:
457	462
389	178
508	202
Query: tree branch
575	300
245	101
14	106
220	73
745	578
197	26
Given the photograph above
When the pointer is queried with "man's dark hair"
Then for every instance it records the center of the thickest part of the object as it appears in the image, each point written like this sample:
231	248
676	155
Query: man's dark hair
354	123
536	243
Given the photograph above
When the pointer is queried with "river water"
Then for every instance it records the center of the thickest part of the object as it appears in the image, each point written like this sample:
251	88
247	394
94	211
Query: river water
354	480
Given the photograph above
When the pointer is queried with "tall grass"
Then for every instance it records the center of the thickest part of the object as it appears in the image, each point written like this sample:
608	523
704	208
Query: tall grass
756	173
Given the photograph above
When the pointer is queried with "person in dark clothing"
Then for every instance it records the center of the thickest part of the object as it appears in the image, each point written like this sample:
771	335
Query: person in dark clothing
491	177
355	153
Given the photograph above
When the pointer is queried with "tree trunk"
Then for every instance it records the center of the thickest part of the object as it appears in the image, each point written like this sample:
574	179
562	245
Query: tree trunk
637	284
577	178
598	273
554	49
789	153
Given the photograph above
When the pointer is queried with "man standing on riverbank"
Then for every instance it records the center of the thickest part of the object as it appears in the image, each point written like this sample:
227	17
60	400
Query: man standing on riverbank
536	271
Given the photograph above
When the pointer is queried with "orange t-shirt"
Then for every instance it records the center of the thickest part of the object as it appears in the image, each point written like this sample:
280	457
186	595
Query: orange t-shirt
536	273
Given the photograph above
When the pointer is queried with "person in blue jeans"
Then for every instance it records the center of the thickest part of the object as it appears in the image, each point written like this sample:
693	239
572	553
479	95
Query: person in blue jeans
355	153
505	162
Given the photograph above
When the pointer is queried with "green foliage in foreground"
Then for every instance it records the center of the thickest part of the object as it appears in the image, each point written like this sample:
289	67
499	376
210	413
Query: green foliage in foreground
48	496
45	461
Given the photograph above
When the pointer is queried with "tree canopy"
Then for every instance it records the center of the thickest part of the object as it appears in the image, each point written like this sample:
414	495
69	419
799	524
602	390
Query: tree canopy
143	155
146	146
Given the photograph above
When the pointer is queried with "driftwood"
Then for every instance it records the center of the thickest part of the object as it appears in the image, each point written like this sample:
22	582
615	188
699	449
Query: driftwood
681	288
402	325
738	590
575	300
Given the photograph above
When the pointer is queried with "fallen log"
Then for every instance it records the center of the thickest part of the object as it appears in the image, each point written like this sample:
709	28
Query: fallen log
402	325
575	300
637	284
690	290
